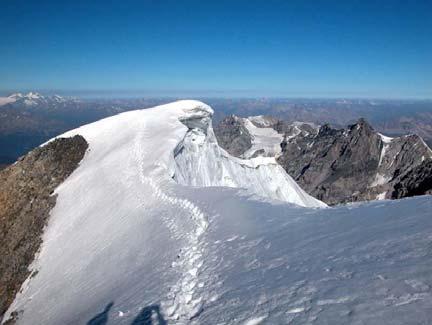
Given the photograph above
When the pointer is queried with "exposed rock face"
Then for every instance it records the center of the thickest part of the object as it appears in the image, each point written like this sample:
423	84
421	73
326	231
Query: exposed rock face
233	136
26	199
417	181
354	164
346	165
258	131
291	129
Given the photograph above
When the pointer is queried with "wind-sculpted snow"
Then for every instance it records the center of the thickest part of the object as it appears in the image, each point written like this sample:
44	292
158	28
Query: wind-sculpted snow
127	244
201	162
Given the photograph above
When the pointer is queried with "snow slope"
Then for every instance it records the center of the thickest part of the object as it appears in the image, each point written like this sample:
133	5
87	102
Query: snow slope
127	244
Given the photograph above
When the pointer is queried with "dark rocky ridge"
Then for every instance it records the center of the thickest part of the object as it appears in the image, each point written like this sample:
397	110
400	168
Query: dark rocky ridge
233	136
26	199
417	181
352	164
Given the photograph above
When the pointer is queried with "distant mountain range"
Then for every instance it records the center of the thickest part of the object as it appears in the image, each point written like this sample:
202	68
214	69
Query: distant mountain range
27	120
391	117
34	99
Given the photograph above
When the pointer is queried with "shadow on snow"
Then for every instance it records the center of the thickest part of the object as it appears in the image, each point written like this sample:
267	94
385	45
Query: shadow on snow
149	315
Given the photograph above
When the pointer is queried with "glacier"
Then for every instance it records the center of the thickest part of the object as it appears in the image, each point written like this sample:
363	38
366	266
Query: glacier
264	138
134	239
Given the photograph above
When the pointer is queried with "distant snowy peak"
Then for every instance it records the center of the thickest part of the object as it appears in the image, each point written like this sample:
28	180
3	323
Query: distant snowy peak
34	95
16	96
33	99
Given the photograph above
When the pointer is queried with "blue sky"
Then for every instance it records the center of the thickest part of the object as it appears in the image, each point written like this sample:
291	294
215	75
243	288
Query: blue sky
218	48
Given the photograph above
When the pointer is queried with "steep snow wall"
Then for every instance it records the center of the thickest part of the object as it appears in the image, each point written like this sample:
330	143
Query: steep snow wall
201	162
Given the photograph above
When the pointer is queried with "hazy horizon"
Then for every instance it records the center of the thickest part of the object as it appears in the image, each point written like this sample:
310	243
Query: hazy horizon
174	94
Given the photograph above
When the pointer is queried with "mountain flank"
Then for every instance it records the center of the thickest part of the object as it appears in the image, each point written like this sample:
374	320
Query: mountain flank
26	198
233	135
343	165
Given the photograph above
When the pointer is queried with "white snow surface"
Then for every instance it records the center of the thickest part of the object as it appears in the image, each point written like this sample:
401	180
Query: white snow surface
263	138
381	196
6	100
125	244
381	179
385	139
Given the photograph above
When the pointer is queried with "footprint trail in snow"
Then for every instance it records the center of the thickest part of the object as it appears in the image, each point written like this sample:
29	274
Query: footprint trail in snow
183	302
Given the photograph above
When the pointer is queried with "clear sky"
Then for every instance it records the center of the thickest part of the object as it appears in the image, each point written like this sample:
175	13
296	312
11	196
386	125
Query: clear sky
230	48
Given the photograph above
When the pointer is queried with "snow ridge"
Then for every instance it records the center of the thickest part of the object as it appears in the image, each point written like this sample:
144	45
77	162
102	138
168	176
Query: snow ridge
182	304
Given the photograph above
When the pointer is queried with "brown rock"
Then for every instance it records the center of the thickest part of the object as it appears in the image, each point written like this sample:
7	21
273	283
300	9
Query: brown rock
26	198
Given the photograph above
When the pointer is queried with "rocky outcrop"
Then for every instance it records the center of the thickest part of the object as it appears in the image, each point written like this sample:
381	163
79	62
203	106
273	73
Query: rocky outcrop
345	165
353	164
417	181
251	137
233	136
26	198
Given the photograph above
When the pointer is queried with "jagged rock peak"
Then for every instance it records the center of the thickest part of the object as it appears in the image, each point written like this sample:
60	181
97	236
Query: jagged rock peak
327	130
362	125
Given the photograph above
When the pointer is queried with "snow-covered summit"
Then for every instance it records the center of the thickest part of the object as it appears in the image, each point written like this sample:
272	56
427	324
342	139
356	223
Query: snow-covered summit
11	98
33	95
129	244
